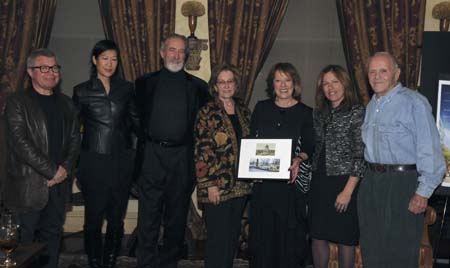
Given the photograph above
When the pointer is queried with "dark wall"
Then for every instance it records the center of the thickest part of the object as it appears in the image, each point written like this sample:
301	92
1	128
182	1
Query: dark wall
435	62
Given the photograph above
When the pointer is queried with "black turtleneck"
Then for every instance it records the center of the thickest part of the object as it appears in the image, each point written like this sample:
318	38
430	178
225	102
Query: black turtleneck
169	116
54	122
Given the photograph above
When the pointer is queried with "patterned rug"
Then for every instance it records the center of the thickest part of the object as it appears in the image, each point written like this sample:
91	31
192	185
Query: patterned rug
80	261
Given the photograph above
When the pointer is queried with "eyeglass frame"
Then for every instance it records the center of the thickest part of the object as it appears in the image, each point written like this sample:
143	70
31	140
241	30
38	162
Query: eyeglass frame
226	83
56	71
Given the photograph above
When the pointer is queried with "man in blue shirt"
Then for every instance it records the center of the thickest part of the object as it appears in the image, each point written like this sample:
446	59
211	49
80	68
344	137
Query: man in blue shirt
405	165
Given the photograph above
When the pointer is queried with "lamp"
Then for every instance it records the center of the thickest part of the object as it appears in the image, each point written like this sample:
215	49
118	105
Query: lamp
192	10
441	12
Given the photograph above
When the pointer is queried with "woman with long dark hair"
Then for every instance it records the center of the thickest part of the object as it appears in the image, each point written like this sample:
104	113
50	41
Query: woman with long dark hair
107	112
337	166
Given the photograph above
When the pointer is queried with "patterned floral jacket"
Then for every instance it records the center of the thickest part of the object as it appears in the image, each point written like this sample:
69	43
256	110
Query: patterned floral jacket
216	151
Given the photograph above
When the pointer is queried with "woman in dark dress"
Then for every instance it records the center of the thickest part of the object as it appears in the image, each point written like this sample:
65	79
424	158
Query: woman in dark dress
219	127
278	209
107	110
337	166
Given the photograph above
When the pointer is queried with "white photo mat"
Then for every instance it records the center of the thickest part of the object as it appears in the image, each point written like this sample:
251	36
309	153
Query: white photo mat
265	159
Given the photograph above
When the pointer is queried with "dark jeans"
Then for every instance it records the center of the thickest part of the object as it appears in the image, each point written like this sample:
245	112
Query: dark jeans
389	233
165	187
223	225
45	226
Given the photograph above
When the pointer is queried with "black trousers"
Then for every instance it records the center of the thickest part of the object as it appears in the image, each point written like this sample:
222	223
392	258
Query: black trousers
103	203
223	226
105	183
390	233
45	226
165	187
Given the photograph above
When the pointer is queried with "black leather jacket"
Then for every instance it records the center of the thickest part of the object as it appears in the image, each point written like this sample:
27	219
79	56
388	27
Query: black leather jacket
29	167
107	118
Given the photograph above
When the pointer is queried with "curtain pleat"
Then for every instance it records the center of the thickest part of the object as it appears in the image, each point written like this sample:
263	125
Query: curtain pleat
138	28
395	26
242	32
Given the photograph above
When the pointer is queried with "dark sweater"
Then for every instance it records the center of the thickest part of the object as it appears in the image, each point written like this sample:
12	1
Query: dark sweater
54	121
272	122
169	115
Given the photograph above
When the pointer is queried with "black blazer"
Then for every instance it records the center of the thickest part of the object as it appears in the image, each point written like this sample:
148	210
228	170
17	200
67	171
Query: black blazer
106	114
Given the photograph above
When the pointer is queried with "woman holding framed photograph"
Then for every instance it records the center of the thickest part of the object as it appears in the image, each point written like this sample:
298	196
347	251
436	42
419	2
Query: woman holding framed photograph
277	208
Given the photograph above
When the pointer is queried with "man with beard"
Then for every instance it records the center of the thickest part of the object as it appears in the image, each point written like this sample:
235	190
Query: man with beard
168	101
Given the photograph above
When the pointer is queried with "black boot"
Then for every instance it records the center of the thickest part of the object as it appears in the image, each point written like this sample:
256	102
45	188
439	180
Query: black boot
94	263
111	249
92	246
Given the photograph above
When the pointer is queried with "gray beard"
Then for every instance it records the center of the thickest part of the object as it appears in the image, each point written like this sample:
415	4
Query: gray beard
174	67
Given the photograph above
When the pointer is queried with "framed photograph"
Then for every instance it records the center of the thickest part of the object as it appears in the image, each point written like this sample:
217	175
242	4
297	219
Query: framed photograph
265	159
443	121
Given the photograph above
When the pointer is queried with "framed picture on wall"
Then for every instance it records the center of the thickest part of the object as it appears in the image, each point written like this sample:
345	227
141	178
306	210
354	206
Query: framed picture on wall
443	121
265	159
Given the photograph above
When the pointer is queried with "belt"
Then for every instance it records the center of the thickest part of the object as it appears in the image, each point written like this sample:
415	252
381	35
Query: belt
164	143
381	168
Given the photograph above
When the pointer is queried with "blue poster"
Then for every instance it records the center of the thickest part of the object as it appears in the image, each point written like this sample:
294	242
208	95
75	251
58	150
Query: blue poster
443	124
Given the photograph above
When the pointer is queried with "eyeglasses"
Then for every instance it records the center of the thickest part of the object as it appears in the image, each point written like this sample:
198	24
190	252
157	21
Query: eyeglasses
223	83
46	69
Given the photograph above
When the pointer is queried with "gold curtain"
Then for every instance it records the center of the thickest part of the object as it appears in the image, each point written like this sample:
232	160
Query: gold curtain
24	25
395	26
242	32
138	28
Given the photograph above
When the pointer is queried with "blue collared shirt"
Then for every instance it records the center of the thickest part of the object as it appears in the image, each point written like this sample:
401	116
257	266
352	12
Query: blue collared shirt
399	129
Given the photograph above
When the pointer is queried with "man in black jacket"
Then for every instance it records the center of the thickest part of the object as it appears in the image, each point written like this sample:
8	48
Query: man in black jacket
43	143
168	101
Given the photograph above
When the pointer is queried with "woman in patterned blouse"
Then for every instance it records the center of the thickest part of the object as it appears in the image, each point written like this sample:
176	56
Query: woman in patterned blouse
220	125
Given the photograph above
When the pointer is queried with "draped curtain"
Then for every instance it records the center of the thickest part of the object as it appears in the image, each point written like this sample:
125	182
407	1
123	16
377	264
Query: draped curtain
395	26
242	32
138	28
24	25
